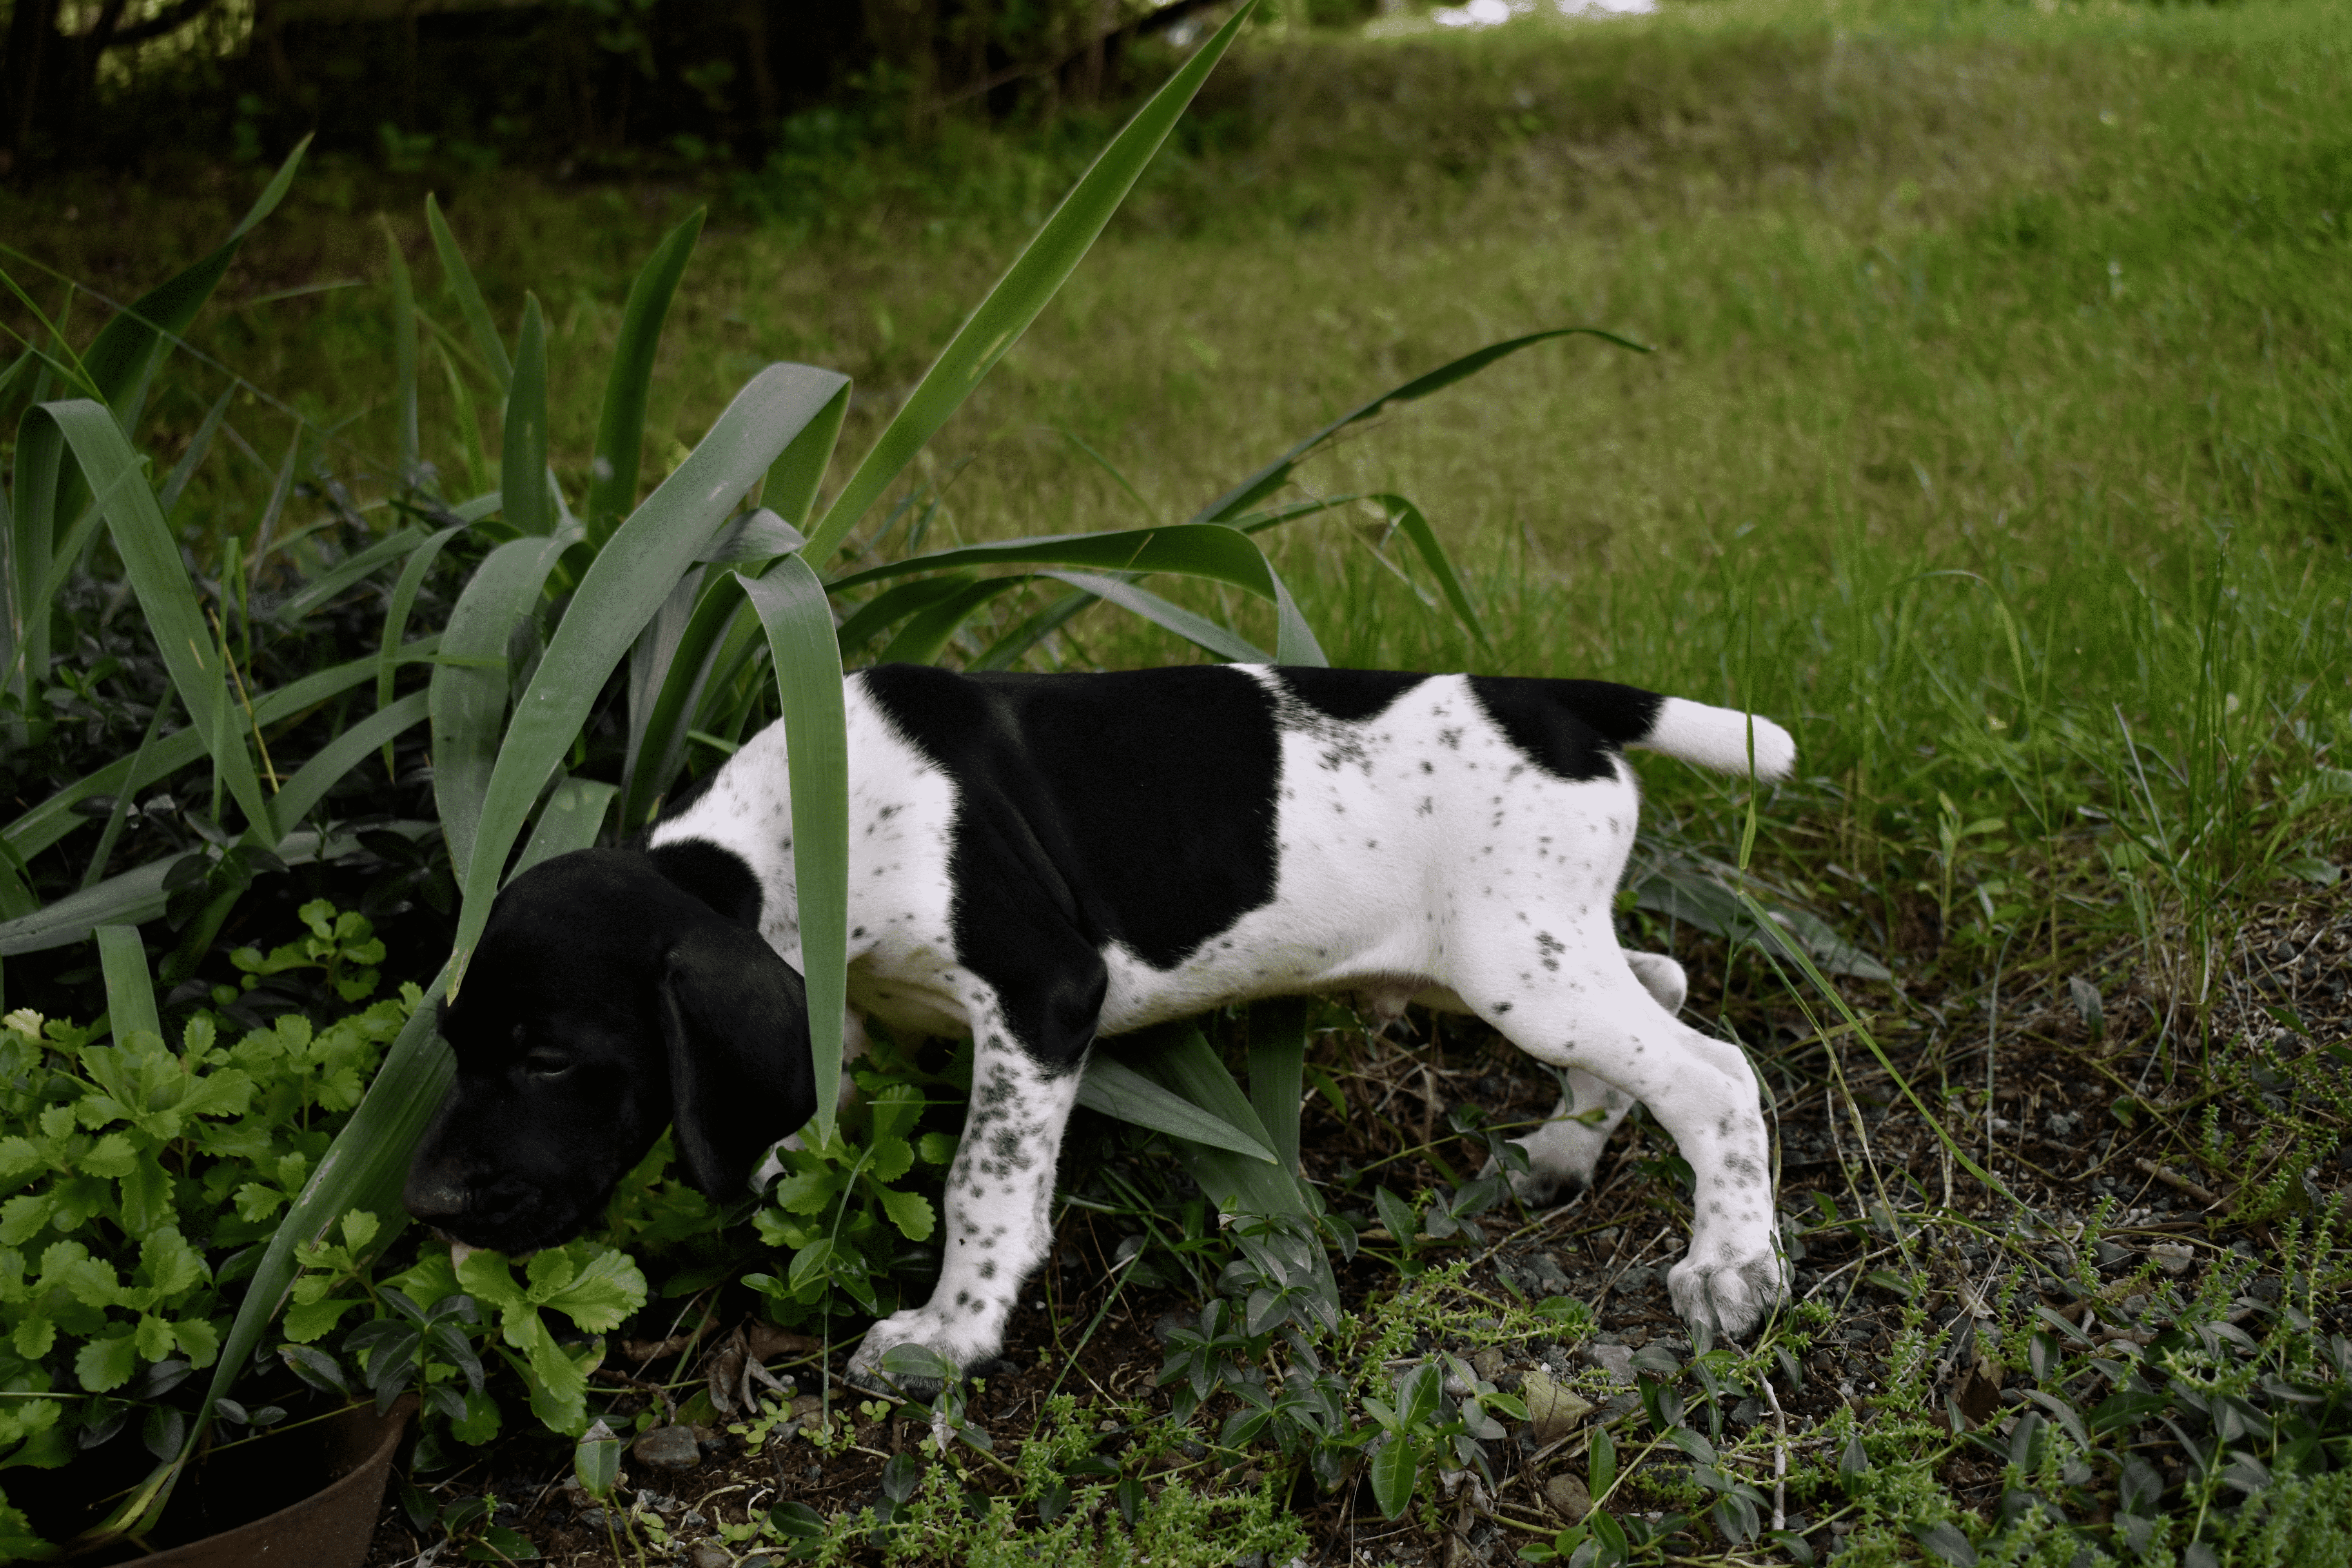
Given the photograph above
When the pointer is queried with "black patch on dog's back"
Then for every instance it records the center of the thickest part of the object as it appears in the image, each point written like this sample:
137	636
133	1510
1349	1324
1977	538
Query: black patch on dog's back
1348	695
1570	729
1135	807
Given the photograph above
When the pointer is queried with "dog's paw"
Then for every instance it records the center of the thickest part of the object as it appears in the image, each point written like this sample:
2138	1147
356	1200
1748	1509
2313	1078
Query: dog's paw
1541	1186
931	1351
1730	1291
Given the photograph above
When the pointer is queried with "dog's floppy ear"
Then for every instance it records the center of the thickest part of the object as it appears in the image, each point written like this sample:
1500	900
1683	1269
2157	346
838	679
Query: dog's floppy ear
735	1020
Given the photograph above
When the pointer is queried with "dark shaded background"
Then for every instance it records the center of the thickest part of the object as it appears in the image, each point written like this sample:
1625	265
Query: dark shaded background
577	85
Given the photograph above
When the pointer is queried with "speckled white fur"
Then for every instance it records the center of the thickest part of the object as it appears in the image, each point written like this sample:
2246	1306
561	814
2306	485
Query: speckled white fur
1419	852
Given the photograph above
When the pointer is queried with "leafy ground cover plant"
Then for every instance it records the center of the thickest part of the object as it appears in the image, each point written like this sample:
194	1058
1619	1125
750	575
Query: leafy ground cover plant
145	1179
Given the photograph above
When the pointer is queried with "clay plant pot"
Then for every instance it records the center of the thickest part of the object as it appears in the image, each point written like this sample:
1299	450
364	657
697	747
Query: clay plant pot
330	1528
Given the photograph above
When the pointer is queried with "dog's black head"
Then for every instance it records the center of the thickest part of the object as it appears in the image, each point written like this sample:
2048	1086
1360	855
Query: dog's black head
614	992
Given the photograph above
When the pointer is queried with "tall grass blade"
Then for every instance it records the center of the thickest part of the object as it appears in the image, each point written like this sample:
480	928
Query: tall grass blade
33	532
1032	281
150	559
710	638
469	704
923	638
1860	1030
470	298
199	447
619	593
314	779
276	506
395	618
522	455
1013	645
70	548
891	606
1221	555
621	427
792	482
1177	1059
129	989
570	820
132	897
1276	474
112	833
119	359
54	817
1198	630
469	422
1277	1064
137	896
793	611
1114	1088
404	358
1409	522
327	587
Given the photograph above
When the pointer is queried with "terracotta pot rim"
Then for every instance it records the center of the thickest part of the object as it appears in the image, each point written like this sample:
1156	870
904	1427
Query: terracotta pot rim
370	1471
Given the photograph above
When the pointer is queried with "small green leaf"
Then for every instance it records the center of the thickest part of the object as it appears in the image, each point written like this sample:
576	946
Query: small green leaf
106	1363
603	1294
911	1213
1394	1470
1402	1219
1945	1543
1417	1389
597	1460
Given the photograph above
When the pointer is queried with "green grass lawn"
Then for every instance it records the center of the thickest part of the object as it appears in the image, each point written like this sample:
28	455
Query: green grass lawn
1997	437
2053	306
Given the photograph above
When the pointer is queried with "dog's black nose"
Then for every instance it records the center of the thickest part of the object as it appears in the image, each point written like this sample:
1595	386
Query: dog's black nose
433	1200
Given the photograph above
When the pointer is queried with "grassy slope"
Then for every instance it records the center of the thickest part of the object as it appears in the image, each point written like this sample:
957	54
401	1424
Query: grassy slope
1999	404
2056	301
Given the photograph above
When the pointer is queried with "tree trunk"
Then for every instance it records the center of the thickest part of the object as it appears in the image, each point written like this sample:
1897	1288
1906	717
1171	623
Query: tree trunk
32	30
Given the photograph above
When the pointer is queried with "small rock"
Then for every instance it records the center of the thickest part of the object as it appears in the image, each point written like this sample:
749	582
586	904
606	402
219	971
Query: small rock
1489	1364
805	1406
2173	1257
1617	1361
1636	1280
593	1519
694	1519
1553	1411
708	1556
670	1449
1544	1270
1567	1497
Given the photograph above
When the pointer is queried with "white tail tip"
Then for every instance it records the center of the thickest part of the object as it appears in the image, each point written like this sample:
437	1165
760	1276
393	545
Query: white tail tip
1719	738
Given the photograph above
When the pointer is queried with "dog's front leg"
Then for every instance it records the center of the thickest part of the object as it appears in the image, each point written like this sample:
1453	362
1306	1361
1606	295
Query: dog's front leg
1000	1194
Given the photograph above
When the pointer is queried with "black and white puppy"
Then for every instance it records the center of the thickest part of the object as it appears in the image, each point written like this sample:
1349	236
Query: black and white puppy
1036	860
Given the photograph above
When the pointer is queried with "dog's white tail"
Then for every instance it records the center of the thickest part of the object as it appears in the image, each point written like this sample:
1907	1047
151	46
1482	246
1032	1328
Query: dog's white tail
1719	738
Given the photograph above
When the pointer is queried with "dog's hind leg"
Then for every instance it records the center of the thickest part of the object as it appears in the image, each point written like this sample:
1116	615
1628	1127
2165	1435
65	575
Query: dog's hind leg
1569	1000
1564	1153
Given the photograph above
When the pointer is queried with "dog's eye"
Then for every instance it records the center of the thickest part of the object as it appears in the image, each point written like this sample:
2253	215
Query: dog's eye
547	1064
